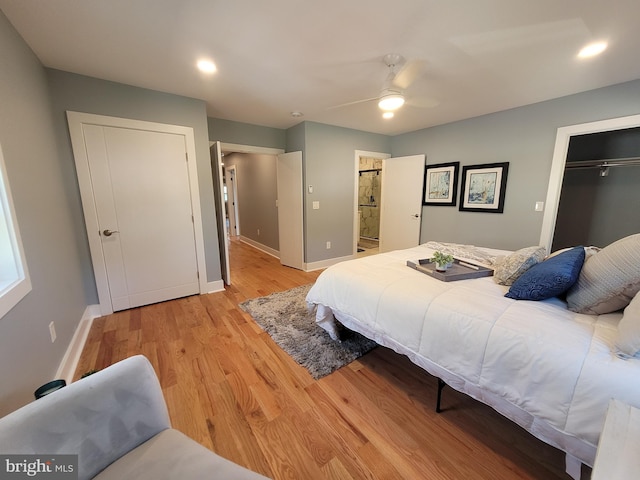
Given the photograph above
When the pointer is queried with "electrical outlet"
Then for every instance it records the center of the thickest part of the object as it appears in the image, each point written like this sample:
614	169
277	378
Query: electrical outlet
52	332
258	232
539	206
328	245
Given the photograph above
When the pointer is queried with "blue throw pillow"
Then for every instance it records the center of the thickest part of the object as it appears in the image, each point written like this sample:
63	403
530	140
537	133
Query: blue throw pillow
550	278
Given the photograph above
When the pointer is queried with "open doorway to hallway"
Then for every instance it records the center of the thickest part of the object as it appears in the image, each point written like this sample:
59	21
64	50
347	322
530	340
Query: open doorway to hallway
247	194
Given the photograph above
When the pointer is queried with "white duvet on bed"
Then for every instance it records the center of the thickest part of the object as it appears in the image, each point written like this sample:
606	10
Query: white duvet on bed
550	370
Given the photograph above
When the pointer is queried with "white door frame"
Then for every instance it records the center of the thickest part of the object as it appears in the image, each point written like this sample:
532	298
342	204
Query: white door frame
76	121
221	223
237	148
556	176
231	180
356	186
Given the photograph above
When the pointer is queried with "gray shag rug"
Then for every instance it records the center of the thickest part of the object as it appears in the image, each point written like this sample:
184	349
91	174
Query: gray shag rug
286	318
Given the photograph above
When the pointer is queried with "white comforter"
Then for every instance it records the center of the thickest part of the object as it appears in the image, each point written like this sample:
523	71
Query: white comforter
550	370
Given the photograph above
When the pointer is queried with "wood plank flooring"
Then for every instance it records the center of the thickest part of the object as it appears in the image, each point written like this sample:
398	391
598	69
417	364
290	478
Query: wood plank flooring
231	388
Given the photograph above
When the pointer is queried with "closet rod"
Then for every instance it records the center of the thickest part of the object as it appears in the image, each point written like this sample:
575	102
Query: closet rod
370	170
614	162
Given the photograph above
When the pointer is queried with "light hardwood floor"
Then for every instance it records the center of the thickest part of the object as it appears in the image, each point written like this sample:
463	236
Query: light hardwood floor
231	388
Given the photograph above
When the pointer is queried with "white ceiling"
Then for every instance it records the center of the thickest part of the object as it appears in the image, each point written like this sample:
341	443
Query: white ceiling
279	56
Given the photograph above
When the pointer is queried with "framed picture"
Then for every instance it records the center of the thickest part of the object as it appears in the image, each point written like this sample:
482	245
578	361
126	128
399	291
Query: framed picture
483	187
441	184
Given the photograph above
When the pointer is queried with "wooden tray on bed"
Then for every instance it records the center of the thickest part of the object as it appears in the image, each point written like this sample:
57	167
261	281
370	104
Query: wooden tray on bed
459	270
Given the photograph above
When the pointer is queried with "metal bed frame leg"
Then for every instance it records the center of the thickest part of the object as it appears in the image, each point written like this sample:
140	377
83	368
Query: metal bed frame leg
441	386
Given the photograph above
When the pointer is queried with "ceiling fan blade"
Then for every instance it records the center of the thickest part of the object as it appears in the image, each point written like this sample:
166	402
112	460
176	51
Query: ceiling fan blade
423	102
409	73
352	103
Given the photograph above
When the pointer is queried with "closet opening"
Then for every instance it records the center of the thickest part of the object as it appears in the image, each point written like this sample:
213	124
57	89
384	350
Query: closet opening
595	142
600	197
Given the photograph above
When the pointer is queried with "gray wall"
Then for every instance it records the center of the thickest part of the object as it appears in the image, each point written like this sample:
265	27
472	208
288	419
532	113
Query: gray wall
329	164
91	95
228	131
54	251
525	137
257	193
295	138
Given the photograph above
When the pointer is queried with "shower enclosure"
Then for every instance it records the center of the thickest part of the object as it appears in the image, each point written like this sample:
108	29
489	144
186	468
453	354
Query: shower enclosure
369	189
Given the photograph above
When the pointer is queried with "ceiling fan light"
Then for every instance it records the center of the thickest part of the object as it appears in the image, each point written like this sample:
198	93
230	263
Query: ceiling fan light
391	101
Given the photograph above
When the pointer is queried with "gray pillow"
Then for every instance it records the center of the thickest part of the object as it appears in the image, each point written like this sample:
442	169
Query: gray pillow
508	269
609	279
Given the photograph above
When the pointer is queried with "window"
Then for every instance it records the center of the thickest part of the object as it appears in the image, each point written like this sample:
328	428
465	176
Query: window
14	277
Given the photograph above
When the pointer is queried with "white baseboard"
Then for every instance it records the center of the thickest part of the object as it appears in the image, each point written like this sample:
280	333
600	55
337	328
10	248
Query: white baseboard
261	247
67	367
217	286
310	267
307	267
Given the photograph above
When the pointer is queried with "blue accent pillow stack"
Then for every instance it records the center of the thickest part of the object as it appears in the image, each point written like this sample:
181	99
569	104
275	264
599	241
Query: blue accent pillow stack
549	278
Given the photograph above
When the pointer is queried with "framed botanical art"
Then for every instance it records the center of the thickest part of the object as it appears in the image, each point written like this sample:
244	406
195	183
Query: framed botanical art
441	184
483	187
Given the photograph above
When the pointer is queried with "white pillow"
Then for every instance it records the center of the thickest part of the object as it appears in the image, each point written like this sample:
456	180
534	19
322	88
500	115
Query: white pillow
588	252
508	269
628	339
609	279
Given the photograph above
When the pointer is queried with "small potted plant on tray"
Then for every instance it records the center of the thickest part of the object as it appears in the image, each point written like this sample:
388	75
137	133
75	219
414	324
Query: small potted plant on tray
442	260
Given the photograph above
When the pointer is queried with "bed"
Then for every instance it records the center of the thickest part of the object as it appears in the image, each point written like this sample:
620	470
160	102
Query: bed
548	369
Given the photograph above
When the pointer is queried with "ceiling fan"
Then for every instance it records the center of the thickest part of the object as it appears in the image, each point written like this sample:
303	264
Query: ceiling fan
400	77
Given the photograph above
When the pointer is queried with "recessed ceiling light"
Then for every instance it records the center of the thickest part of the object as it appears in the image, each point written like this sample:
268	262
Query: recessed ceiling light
387	115
592	49
206	66
296	114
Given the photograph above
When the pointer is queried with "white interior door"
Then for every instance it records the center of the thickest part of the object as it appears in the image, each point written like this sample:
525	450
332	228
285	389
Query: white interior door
290	209
401	212
232	200
223	229
142	199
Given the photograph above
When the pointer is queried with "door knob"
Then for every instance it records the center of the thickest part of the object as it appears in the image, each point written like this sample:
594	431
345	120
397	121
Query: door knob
108	233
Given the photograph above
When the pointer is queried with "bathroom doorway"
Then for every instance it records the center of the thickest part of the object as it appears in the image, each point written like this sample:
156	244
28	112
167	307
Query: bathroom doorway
368	242
369	204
